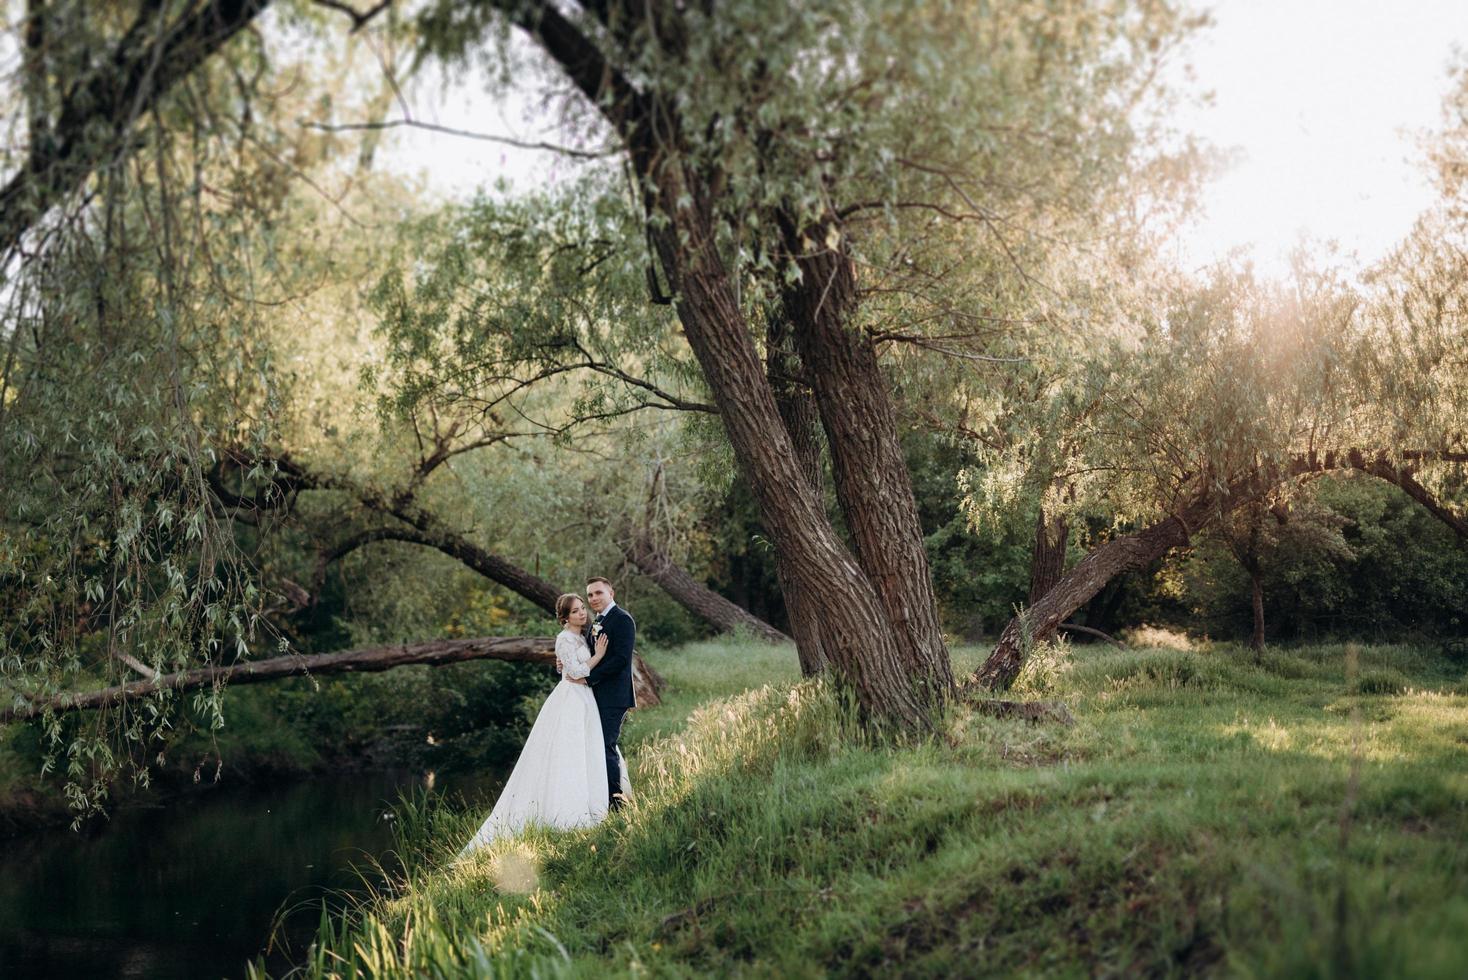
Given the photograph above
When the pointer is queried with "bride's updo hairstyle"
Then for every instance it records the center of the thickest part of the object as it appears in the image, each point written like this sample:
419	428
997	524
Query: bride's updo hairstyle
564	604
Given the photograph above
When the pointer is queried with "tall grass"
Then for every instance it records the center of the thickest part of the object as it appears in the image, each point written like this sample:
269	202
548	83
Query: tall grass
1201	817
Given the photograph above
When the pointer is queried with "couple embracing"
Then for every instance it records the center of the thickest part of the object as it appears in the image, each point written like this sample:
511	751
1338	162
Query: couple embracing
571	771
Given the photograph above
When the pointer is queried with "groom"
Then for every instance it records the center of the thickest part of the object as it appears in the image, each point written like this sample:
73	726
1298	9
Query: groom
611	680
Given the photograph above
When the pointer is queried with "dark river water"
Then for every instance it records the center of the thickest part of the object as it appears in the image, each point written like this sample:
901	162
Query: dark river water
192	890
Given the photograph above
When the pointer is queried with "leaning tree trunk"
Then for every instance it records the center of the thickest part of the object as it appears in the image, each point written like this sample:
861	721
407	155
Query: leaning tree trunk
691	594
431	534
798	411
1142	548
872	481
1123	554
681	229
862	646
1047	559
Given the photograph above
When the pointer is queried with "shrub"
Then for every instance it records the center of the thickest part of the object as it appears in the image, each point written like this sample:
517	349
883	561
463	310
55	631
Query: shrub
1380	682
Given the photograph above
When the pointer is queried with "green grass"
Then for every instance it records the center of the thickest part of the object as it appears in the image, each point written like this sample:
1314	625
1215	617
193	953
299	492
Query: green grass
1206	814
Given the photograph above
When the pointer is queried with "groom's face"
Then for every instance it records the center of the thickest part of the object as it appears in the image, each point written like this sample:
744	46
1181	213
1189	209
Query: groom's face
598	595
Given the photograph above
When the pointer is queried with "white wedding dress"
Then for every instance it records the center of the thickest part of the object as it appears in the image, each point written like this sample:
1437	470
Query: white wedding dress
560	779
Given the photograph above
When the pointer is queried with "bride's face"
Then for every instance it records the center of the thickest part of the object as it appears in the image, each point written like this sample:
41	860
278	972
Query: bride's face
576	618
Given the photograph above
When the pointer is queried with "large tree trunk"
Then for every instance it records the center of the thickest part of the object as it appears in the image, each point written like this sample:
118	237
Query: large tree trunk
872	481
1047	559
798	411
691	594
852	629
1123	554
862	646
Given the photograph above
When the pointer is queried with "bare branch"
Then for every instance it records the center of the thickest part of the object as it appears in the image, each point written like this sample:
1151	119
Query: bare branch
359	18
433	653
569	151
929	344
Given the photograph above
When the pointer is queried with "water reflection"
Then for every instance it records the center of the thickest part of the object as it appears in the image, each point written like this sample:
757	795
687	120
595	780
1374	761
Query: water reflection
192	890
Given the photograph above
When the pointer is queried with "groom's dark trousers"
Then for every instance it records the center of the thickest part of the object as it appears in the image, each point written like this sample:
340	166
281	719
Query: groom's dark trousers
611	728
611	685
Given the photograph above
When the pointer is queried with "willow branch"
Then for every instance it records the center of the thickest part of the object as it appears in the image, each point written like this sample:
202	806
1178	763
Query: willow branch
433	653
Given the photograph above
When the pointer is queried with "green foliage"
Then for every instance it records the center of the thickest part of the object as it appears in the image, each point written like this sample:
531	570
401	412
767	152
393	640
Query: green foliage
140	350
1380	682
1379	566
1199	818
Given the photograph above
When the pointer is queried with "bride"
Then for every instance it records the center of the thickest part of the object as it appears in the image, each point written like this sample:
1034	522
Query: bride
560	779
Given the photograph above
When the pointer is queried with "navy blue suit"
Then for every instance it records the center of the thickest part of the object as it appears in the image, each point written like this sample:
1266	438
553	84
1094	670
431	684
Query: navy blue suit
611	685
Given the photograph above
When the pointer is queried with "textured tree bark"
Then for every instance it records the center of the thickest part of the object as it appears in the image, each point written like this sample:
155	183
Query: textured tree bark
1047	559
872	481
798	412
851	629
691	594
861	644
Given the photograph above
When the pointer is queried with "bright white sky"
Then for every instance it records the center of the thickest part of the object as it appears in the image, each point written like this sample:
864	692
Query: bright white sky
1325	99
1321	99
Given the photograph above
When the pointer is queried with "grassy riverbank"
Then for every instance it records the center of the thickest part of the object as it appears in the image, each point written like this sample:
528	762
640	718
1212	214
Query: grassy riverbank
1206	814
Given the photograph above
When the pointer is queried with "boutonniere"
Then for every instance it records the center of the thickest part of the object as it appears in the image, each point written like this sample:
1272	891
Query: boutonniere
596	630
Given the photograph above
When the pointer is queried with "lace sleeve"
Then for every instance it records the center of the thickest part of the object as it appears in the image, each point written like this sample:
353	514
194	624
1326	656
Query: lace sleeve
571	666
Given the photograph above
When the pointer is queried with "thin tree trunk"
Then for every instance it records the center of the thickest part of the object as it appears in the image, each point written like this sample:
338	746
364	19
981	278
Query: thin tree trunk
873	484
691	594
1256	642
491	566
1091	631
434	653
518	580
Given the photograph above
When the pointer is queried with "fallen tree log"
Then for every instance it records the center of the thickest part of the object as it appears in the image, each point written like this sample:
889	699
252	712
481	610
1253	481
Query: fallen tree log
1091	631
691	594
431	653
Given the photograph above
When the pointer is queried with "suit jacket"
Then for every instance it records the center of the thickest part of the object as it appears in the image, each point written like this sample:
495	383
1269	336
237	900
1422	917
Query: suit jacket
611	680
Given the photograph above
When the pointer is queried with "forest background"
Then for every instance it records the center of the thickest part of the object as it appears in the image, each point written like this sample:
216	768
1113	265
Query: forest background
261	396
